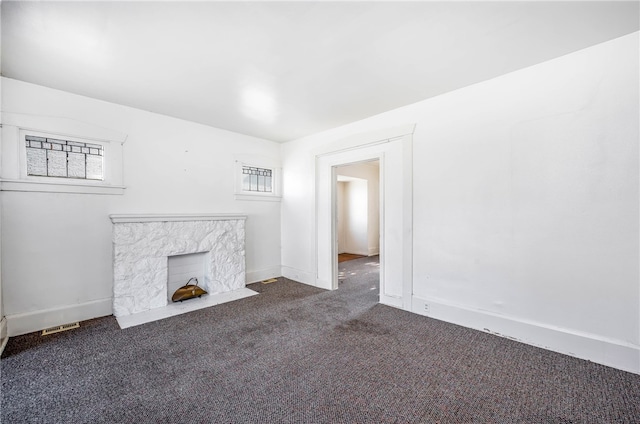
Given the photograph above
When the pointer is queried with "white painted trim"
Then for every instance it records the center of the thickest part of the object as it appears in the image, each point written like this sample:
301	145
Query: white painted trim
276	181
13	160
150	217
53	187
254	197
367	138
395	302
399	258
407	208
39	320
374	251
298	275
606	351
263	274
4	337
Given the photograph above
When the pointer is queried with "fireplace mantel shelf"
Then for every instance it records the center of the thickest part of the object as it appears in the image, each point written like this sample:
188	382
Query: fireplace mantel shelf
128	218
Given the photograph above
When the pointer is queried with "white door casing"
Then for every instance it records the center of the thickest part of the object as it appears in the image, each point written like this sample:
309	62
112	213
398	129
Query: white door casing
394	154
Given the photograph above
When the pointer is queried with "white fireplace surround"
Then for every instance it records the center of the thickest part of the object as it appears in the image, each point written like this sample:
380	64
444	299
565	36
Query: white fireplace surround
142	244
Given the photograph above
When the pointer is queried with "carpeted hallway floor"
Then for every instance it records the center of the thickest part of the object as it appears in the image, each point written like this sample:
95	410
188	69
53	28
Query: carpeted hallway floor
297	354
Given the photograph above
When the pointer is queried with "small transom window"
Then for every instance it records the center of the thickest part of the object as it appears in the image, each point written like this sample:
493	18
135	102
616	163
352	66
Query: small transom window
54	157
257	179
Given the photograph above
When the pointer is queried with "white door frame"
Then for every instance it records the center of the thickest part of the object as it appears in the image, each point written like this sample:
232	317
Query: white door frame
392	147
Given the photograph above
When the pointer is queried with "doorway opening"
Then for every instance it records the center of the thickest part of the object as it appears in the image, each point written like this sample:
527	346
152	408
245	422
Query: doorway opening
357	223
392	149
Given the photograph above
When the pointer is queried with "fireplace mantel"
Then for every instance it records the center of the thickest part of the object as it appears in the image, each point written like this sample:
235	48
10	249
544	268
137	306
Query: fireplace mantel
152	217
142	244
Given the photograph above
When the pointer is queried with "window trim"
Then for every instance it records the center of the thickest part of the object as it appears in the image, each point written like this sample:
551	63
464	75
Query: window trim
14	159
240	194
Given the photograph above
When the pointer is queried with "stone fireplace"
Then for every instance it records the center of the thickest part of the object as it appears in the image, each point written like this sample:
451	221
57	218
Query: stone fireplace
142	245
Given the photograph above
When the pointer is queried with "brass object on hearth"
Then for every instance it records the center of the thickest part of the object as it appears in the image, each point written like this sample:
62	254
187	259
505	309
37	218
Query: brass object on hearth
188	291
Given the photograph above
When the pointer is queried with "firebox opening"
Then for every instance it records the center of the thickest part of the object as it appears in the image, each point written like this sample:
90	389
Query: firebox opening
182	268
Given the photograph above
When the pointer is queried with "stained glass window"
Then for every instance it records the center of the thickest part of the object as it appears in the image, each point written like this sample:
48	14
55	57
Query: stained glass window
257	179
50	157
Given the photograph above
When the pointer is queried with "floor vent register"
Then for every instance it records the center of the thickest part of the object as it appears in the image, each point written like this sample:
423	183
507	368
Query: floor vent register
60	328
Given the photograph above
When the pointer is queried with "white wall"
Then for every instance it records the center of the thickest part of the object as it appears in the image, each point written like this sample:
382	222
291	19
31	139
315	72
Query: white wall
353	209
525	217
369	172
59	245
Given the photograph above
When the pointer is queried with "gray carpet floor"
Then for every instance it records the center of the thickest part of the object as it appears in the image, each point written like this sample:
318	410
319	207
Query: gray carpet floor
297	354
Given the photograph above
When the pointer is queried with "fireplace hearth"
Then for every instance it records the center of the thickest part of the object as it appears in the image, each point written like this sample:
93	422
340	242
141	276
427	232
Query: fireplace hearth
142	245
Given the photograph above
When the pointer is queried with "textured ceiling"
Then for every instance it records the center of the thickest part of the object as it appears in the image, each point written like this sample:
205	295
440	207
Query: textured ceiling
282	70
